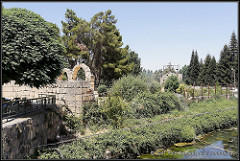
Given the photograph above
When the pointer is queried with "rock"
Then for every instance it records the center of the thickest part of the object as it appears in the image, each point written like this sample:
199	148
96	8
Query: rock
184	144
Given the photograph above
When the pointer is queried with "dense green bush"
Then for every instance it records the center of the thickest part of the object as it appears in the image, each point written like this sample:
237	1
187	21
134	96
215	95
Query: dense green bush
93	115
180	89
154	87
172	83
129	144
102	89
147	104
115	109
128	87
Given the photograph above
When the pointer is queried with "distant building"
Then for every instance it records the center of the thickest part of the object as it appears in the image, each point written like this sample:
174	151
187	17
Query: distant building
165	76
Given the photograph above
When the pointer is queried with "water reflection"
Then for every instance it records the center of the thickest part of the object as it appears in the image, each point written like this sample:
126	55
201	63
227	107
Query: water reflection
221	144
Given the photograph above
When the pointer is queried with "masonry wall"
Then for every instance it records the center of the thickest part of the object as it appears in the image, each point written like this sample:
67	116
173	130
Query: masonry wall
21	136
75	93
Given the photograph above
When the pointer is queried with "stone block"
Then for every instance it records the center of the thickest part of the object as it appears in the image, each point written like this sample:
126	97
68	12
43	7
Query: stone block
62	90
78	98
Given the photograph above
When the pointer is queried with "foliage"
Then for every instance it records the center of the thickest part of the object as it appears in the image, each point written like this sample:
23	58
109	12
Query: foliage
137	63
201	79
233	46
154	87
81	74
102	89
183	71
130	143
32	52
224	73
172	83
69	37
98	43
207	69
128	87
193	69
115	109
93	115
180	89
147	104
211	71
64	77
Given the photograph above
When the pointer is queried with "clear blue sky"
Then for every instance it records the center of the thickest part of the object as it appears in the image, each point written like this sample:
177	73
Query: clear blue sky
159	32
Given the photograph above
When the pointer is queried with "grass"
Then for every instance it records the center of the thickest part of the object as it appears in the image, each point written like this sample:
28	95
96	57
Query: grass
194	108
131	143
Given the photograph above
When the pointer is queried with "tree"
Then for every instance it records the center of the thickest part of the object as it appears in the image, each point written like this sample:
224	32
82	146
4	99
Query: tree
71	38
207	70
31	50
212	71
157	75
183	71
172	83
137	63
233	46
201	73
98	43
193	69
224	72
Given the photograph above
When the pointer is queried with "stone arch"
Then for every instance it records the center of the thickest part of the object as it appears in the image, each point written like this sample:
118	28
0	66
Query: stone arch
68	72
86	70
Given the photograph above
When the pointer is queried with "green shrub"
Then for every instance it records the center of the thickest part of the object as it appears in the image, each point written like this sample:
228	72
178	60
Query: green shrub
102	89
64	77
128	87
92	114
154	87
172	83
147	104
130	143
167	101
115	109
180	89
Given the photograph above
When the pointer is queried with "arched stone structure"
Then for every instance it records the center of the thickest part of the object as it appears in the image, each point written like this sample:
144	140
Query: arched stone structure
72	74
86	70
68	72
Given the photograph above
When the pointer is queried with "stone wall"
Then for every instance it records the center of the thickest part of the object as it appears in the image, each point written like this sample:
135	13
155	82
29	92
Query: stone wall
75	93
21	136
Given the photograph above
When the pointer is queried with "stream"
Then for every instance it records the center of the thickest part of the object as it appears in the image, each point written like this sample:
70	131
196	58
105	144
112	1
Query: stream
220	144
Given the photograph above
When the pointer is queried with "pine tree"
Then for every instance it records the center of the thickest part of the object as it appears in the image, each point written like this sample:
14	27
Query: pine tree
196	68
212	71
70	37
224	72
193	69
189	79
233	46
201	73
207	71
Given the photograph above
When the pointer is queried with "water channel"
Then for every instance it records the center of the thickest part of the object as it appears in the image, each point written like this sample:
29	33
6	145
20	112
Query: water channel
221	144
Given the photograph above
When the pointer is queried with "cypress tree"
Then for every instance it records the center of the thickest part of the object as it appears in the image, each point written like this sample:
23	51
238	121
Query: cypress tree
233	46
196	68
201	73
212	71
207	71
189	79
224	72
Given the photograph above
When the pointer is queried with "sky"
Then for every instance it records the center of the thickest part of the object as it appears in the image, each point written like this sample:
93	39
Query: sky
159	32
